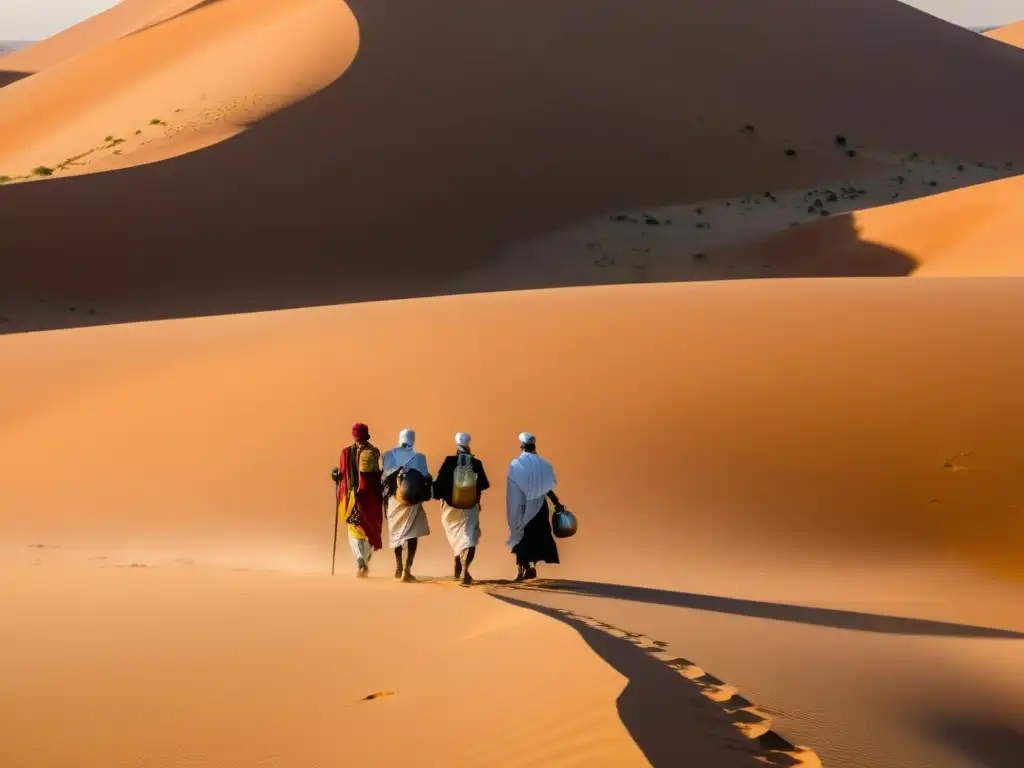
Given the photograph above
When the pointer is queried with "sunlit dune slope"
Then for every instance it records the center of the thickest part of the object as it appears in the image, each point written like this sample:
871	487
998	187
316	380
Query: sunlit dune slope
1011	33
824	416
185	83
121	19
240	669
450	137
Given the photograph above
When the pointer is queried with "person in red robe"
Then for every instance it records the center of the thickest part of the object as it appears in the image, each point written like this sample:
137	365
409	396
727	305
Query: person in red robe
360	497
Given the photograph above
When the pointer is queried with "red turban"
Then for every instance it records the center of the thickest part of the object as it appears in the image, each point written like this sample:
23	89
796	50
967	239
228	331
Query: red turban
360	432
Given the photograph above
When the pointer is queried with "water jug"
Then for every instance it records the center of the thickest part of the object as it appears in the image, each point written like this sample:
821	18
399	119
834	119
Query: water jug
563	523
464	494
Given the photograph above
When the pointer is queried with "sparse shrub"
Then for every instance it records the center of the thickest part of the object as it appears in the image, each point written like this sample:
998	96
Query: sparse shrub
698	211
791	153
748	128
156	121
851	152
1008	165
832	197
933	183
900	179
699	256
823	211
841	140
4	179
914	155
91	311
960	168
818	203
138	132
109	138
810	209
42	170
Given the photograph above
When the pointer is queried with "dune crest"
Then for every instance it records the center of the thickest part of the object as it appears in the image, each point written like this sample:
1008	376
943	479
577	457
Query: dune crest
175	86
440	139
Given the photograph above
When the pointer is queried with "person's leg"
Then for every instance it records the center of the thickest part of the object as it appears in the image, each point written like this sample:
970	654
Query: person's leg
398	561
458	565
356	546
411	556
531	571
467	556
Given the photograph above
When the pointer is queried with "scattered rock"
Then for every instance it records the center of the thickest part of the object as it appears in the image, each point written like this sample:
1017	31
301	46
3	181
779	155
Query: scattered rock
824	212
91	311
841	140
831	197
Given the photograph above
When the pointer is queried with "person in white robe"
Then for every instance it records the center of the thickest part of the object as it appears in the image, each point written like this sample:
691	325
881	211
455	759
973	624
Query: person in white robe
461	523
407	523
531	479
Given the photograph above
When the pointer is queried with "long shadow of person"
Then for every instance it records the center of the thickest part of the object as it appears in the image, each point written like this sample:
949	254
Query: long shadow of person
667	716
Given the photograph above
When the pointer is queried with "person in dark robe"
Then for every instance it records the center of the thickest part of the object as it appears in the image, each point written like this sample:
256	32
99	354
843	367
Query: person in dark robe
358	478
531	482
460	507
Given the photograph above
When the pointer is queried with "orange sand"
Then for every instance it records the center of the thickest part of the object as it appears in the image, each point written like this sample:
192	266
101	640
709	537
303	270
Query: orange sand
799	501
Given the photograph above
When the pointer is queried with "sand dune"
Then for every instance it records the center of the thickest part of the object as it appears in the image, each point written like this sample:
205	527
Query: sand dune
414	154
174	87
971	231
119	20
238	669
800	500
1011	33
839	445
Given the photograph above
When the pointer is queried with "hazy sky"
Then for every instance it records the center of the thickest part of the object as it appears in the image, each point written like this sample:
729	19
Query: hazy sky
36	19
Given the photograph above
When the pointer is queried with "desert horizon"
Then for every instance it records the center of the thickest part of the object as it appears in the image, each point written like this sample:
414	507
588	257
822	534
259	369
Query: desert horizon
748	274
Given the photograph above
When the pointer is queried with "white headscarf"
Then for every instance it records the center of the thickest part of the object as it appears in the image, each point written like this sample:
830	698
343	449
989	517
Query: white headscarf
534	476
404	455
462	439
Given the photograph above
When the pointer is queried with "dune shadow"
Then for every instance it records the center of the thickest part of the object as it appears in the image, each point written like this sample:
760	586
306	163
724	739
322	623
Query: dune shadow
8	76
657	705
392	183
799	614
987	743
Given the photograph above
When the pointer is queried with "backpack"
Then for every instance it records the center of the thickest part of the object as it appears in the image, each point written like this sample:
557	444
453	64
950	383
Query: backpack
464	483
413	487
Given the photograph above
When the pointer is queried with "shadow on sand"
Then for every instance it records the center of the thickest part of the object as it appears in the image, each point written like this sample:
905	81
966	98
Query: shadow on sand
989	744
658	707
800	614
10	76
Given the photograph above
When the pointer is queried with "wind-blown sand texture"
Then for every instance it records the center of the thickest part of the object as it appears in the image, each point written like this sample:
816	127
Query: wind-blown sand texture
800	500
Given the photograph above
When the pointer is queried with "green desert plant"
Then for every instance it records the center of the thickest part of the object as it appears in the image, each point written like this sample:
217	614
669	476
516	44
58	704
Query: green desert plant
42	170
4	179
109	138
156	121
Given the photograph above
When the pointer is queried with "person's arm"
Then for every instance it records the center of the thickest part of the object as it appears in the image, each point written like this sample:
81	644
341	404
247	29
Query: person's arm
554	499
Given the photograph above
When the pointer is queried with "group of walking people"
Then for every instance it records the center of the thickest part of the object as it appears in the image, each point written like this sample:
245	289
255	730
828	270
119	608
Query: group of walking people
370	486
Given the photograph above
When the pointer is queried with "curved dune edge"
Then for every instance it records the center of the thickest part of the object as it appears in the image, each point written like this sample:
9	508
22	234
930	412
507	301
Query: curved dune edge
969	232
413	153
750	721
1011	33
124	18
175	87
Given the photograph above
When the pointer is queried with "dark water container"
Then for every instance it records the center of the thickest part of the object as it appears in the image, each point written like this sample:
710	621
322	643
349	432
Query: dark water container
563	523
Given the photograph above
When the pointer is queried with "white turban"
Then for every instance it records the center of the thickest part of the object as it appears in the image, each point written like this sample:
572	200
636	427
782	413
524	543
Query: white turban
525	438
407	437
462	439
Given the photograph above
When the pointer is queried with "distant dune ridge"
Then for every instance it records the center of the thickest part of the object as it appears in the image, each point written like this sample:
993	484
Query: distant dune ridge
494	156
800	500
